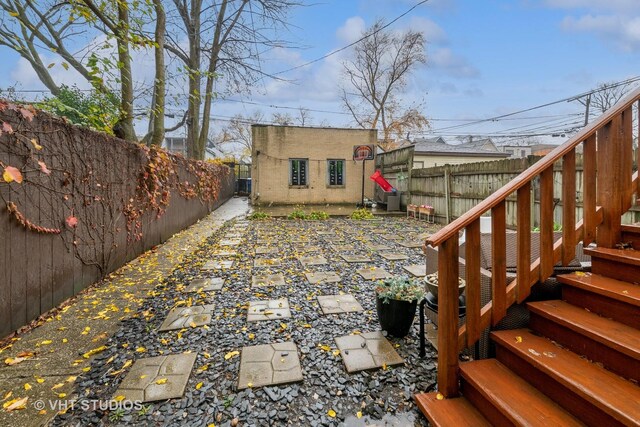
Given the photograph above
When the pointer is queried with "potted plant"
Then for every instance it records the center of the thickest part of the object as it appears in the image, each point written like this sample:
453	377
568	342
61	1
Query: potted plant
396	302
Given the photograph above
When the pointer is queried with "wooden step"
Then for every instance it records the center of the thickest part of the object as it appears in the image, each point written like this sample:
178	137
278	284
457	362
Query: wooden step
621	264
449	412
615	345
605	296
631	234
505	399
591	393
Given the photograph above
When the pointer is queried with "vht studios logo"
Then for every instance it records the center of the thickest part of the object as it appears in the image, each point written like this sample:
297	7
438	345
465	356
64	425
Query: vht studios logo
87	405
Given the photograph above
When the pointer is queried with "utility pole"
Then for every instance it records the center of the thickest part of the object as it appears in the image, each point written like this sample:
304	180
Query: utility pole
586	113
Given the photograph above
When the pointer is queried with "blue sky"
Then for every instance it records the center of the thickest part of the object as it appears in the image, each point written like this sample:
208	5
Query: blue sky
484	58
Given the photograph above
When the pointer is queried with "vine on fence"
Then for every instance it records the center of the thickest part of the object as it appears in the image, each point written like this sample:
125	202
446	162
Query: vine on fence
58	179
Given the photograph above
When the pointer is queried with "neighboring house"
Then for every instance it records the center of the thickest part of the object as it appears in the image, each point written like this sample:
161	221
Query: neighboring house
296	165
429	152
178	145
517	151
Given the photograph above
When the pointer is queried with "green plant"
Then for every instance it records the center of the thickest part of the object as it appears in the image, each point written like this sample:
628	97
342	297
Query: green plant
116	415
400	288
145	410
258	215
556	227
318	215
297	214
361	214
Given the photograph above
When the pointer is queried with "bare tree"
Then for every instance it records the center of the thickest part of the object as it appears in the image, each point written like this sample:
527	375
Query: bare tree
304	117
606	95
238	131
282	119
377	75
223	38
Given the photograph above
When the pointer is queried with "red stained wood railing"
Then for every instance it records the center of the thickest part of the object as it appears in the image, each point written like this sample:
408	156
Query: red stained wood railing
608	185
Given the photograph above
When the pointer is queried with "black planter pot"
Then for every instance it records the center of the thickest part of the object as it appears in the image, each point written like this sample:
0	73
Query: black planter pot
396	317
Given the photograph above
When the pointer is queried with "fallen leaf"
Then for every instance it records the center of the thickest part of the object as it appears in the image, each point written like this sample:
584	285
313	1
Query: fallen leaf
11	174
62	395
359	414
192	324
518	339
331	413
35	144
8	395
27	386
119	398
324	347
439	396
39	380
71	379
15	404
46	342
140	350
199	385
90	353
161	381
6	127
57	386
231	354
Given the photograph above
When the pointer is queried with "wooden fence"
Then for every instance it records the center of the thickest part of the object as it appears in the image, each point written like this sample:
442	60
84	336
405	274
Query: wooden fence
454	189
87	204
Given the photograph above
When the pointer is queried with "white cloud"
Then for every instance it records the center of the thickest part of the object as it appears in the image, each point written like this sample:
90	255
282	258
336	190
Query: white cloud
25	76
351	30
451	64
610	5
621	30
433	33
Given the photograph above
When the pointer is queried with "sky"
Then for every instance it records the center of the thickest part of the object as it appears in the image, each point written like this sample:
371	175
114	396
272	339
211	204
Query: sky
484	59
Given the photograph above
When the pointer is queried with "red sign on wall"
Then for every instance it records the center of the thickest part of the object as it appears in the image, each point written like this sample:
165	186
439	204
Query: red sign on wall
363	152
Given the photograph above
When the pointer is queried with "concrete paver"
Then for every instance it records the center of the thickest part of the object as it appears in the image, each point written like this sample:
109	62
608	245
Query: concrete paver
332	304
268	310
373	273
259	280
322	277
269	364
184	317
367	351
205	284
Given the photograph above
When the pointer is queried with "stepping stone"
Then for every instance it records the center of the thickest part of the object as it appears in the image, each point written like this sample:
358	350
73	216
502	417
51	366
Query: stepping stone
225	253
391	237
378	247
342	248
267	280
269	364
367	351
393	256
141	383
307	248
322	277
374	273
312	260
410	244
266	262
184	317
230	242
233	235
356	258
325	233
331	304
264	250
205	285
268	310
217	265
418	270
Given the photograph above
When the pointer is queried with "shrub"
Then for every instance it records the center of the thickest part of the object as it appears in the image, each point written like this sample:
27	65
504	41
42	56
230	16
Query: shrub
297	214
400	288
361	214
318	215
258	215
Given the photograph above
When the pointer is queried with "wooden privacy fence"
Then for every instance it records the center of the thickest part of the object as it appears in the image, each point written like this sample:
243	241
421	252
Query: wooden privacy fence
76	204
455	189
610	184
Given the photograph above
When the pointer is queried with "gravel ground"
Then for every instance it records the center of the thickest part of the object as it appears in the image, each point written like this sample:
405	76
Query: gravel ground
327	387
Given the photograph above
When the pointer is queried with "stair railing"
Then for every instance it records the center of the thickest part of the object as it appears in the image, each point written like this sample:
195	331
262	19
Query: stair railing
608	186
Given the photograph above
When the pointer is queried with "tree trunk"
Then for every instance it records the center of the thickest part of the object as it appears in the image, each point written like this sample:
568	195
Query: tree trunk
126	84
157	108
195	80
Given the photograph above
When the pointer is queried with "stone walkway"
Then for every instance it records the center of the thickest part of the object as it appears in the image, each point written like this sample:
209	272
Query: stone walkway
264	323
84	324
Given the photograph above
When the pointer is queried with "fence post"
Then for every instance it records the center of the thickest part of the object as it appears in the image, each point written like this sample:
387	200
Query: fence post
447	192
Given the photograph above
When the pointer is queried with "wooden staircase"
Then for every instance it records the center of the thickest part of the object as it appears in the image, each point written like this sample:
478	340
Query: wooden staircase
578	363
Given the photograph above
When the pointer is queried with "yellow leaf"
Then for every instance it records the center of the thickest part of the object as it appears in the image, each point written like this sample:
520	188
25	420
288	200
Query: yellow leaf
64	340
359	414
283	325
87	369
336	352
206	355
518	339
199	386
331	413
161	381
62	395
249	385
140	350
57	386
306	325
39	380
86	331
324	347
11	174
384	366
46	342
42	412
192	324
71	379
14	14
119	398
90	353
15	404
35	144
439	396
252	336
27	386
231	354
143	376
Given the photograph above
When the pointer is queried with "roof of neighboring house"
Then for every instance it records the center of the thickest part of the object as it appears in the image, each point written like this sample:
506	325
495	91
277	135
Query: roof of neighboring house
483	144
429	146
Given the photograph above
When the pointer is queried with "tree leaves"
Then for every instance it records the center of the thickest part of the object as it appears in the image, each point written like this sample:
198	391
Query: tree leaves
231	354
44	168
12	174
15	404
72	221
